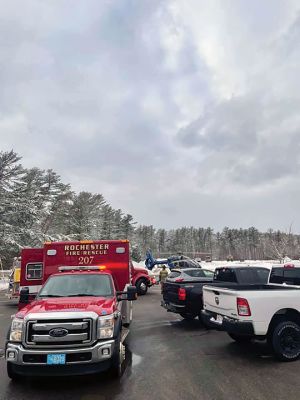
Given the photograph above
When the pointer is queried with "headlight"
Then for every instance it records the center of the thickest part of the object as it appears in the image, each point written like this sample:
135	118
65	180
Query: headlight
16	330
106	327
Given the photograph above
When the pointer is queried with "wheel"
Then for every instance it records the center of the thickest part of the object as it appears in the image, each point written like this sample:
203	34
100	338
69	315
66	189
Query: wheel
11	373
240	338
189	317
285	341
141	287
118	359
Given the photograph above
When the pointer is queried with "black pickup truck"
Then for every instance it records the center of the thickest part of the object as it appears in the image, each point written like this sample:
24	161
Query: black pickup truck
182	291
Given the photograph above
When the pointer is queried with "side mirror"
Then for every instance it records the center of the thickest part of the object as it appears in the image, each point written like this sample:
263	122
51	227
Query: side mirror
24	295
131	293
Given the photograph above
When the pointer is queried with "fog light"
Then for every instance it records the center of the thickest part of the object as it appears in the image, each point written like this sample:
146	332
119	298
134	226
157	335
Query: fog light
105	352
11	355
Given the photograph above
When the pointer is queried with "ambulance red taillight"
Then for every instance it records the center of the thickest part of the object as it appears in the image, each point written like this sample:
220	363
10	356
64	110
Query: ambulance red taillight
243	307
181	294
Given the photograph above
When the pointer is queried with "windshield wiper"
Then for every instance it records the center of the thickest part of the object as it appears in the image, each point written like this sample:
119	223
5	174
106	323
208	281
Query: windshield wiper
50	295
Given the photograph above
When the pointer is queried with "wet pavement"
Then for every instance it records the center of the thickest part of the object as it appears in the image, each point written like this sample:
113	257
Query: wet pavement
167	358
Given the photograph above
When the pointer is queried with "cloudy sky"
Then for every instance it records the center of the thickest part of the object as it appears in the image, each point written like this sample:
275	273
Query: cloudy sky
178	112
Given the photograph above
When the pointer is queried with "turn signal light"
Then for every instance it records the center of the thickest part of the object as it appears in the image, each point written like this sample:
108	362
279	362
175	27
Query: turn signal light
243	307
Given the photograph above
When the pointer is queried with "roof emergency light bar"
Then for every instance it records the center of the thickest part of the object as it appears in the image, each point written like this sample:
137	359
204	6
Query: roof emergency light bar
289	265
82	268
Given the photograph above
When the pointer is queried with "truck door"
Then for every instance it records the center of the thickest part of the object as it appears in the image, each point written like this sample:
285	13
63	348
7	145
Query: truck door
32	270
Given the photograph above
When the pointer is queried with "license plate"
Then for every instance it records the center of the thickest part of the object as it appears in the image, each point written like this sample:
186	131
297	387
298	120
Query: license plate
55	359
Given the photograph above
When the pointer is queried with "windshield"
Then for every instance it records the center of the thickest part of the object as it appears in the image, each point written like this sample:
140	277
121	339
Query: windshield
77	285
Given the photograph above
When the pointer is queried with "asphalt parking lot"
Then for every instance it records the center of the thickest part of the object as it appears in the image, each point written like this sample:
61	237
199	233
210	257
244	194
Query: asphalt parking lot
168	358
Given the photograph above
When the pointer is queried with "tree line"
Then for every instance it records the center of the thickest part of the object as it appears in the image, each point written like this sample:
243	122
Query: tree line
36	206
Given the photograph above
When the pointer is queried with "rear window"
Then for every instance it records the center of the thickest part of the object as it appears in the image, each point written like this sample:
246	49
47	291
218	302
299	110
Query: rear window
34	271
174	274
290	276
208	273
253	275
246	276
195	273
225	275
262	275
276	275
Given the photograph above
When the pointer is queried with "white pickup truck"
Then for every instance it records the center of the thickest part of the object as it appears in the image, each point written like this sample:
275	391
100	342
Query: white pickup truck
270	312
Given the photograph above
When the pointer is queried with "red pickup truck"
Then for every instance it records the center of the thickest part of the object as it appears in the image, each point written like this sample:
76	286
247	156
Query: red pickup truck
77	323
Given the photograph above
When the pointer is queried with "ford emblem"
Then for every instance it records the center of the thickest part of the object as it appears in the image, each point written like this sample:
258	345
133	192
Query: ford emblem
58	332
217	300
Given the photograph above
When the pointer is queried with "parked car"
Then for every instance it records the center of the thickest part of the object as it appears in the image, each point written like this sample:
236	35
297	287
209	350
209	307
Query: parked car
262	311
182	292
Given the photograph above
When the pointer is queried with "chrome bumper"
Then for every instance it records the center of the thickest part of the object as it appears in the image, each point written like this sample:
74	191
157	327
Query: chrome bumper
176	308
101	351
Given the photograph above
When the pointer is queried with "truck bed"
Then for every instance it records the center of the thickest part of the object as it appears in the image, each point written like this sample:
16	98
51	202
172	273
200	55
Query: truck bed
264	302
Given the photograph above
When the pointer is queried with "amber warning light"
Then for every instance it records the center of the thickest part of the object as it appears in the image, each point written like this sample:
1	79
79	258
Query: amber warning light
91	268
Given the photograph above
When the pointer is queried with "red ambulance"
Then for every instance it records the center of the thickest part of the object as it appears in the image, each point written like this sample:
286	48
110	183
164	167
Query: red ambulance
76	324
37	264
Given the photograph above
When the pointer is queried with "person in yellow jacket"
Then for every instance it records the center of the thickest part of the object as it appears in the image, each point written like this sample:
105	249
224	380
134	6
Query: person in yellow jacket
163	274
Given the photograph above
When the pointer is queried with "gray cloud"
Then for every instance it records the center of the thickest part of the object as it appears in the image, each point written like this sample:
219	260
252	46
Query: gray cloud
180	113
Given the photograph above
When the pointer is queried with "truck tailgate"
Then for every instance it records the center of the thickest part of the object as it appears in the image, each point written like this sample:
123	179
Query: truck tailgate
170	292
220	300
193	290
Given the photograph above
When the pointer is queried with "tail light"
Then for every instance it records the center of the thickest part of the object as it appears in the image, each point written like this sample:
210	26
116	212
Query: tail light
243	307
181	294
179	280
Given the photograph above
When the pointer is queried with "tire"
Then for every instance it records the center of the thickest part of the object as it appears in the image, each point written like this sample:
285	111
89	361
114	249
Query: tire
285	341
11	373
188	317
117	359
141	287
240	338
